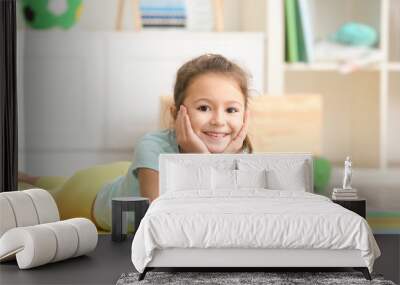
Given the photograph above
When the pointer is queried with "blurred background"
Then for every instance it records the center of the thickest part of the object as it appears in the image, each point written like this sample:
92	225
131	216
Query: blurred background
91	73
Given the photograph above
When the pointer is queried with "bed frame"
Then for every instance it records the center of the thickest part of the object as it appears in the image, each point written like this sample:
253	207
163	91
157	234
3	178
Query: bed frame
248	259
234	259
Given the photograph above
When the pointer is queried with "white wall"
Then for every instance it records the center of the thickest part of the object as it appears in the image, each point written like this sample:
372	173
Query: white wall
82	98
88	96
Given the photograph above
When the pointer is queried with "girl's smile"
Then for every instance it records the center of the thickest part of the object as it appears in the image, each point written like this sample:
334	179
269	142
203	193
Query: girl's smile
216	137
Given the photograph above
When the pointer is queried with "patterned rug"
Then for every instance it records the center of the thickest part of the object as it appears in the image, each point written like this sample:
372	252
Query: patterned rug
228	278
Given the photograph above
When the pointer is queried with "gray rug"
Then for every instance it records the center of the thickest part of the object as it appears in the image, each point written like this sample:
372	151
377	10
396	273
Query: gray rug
226	278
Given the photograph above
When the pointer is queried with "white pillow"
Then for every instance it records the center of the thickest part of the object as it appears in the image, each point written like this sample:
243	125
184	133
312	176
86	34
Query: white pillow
282	174
183	177
252	178
224	179
293	179
227	179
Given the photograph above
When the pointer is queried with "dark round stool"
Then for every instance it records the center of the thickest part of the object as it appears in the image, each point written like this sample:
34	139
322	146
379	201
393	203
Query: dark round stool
120	206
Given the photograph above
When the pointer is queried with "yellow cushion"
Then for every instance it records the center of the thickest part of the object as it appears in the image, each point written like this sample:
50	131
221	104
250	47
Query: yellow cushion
50	183
25	186
76	197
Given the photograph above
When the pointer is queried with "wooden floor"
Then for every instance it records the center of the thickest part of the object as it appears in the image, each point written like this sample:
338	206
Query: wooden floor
110	260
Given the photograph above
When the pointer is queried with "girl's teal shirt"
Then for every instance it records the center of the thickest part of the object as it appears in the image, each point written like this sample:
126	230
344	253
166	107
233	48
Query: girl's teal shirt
146	153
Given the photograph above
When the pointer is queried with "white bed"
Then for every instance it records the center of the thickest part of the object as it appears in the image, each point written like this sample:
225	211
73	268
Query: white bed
247	211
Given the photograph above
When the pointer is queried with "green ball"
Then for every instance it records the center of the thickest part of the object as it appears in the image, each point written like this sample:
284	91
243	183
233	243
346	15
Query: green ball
322	174
38	14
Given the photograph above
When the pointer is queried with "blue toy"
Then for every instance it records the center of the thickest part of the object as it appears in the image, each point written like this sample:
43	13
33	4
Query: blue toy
356	34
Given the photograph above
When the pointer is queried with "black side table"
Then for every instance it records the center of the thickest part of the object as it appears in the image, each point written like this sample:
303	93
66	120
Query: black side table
139	205
358	206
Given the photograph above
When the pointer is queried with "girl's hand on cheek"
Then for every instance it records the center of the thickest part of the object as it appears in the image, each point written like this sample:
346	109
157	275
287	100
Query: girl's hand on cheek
237	143
185	136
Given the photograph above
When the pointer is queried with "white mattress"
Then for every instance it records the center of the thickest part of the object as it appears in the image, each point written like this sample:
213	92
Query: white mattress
252	218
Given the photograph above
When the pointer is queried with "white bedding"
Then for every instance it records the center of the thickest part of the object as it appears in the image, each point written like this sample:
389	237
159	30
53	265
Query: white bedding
251	218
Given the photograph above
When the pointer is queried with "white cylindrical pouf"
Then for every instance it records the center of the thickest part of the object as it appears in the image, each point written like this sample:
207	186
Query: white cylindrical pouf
23	208
33	246
87	234
45	205
31	232
40	244
67	240
7	218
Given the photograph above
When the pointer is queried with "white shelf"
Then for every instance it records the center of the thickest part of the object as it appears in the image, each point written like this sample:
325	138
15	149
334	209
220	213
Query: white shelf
324	66
374	80
394	66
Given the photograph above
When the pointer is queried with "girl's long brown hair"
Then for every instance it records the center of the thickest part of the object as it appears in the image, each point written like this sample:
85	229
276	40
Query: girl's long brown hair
210	63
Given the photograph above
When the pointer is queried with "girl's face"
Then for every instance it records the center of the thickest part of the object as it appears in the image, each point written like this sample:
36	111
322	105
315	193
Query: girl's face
216	107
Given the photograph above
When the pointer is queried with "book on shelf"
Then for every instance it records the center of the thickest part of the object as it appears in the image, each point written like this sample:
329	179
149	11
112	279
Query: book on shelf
345	198
291	31
300	35
189	14
344	194
307	30
341	190
298	31
163	13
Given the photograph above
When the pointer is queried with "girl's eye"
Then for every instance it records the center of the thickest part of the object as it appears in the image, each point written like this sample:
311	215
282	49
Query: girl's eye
203	108
232	110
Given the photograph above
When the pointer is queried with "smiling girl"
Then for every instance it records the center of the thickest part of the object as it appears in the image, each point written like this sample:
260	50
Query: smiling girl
210	115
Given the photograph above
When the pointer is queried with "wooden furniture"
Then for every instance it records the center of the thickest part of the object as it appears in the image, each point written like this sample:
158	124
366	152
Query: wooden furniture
218	15
120	206
358	206
137	21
